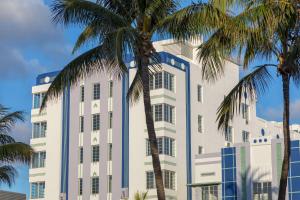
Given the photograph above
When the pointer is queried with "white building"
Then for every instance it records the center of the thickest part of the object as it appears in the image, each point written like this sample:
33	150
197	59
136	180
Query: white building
91	144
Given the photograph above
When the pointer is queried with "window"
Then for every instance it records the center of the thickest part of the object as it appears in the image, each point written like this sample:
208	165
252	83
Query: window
81	126
111	85
95	185
262	191
200	124
168	179
158	80
199	93
95	153
161	80
109	151
109	183
209	192
168	81
80	186
245	111
37	190
38	99
39	129
166	146
245	135
200	150
82	93
96	94
150	184
164	112
110	120
81	155
96	122
228	134
38	159
168	113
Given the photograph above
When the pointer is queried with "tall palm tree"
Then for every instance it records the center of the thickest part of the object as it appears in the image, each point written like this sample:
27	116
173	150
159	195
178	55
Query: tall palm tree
10	150
264	28
121	27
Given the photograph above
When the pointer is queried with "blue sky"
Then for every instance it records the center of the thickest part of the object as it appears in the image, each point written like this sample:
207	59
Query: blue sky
31	44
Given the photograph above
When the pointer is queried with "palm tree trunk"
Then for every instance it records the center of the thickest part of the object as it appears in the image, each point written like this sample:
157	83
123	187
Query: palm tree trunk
151	131
286	136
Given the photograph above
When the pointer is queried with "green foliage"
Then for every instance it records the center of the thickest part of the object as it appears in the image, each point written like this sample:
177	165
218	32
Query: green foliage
10	150
140	196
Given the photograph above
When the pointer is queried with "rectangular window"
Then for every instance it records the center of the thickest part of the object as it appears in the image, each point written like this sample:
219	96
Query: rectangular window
39	129
38	100
38	159
109	151
96	91
262	190
82	93
245	111
95	185
96	122
158	80
245	135
109	183
110	120
111	85
80	186
158	112
81	125
150	184
199	93
166	146
210	192
95	153
200	124
228	134
81	155
169	179
151	79
37	190
164	112
200	150
168	81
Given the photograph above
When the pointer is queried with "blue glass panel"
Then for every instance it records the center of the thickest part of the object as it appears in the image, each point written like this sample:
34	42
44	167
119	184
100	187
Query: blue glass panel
294	196
294	143
230	198
229	174
295	184
230	189
229	161
295	169
227	151
295	154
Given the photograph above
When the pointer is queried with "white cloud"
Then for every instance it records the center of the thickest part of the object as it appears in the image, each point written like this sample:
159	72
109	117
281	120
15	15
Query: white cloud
27	33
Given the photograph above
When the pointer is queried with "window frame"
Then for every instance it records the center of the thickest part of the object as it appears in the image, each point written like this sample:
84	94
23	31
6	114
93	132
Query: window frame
96	91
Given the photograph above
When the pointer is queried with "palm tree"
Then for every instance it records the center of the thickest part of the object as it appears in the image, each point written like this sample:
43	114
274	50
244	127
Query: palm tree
121	27
10	150
268	29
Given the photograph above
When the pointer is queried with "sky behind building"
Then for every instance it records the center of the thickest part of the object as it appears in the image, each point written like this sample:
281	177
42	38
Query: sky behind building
31	44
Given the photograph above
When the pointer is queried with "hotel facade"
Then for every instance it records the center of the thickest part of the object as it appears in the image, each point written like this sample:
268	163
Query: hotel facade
91	143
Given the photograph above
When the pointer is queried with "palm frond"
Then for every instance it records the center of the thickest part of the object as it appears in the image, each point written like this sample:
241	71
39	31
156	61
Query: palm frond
253	85
83	12
7	174
6	139
15	152
8	120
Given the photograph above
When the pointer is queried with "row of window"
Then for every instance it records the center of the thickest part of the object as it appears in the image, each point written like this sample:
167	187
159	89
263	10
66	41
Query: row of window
163	112
95	122
166	146
94	185
96	91
161	80
95	151
39	129
169	179
229	135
